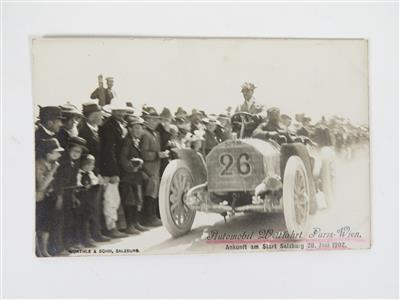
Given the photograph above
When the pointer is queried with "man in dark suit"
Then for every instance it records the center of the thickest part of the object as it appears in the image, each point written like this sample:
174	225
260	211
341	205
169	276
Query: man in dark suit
151	154
111	134
89	131
50	122
165	135
322	134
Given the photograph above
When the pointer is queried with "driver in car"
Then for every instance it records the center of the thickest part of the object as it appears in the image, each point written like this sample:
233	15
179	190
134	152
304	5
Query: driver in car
248	113
249	104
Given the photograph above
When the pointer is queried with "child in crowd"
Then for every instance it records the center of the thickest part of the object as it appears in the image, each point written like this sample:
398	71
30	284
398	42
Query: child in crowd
130	186
65	231
86	194
46	168
175	142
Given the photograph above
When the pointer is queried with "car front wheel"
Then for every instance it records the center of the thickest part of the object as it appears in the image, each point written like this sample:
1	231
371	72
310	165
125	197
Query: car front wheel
176	181
296	195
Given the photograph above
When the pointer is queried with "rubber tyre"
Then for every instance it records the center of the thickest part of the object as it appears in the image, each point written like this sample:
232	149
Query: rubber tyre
293	167
327	175
175	167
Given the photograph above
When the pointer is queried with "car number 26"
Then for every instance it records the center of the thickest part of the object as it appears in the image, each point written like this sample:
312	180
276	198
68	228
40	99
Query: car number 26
230	165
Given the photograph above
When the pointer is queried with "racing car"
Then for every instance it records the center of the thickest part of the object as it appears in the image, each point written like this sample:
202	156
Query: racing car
246	174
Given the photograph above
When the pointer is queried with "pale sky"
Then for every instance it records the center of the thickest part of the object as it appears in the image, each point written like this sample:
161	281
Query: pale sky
317	77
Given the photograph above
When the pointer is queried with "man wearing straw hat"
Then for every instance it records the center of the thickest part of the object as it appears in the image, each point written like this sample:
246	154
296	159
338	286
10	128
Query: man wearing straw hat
70	123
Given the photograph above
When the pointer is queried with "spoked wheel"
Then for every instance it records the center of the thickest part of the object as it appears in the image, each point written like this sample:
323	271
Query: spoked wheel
296	195
328	175
176	181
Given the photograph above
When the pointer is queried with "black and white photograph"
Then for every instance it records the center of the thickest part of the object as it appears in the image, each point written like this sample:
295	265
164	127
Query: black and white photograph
199	149
168	145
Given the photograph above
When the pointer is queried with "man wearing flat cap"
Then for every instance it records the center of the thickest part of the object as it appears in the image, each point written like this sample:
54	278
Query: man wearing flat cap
112	134
132	176
249	104
150	148
72	116
50	122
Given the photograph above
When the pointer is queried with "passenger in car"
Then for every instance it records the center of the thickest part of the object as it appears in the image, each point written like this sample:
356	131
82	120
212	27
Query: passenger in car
271	129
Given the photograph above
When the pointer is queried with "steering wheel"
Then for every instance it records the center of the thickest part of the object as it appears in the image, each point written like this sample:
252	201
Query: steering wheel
243	122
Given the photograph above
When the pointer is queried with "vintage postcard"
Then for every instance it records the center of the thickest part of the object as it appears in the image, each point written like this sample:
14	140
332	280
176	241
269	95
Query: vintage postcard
199	145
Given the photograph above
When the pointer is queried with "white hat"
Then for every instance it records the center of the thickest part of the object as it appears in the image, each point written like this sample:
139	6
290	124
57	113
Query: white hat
117	105
106	111
173	128
198	135
212	118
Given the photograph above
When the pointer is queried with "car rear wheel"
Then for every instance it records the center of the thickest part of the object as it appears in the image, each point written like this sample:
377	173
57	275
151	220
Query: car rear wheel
328	174
176	216
296	195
